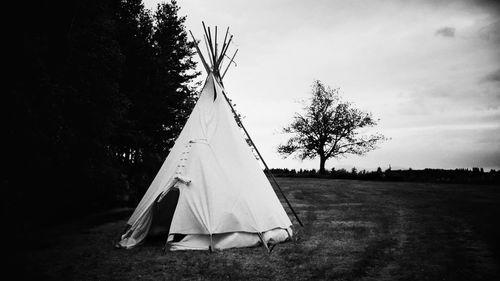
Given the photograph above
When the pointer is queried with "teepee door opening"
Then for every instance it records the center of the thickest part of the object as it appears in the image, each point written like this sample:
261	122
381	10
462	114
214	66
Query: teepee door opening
163	212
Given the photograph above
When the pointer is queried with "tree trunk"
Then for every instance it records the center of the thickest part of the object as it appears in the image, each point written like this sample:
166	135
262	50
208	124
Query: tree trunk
322	161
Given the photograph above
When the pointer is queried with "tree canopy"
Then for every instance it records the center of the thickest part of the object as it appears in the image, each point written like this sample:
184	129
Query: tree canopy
329	128
97	93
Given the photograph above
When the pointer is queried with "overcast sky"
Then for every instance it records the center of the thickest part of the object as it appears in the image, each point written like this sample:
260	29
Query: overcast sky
430	70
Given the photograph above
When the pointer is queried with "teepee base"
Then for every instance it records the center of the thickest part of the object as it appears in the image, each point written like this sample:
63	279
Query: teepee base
228	240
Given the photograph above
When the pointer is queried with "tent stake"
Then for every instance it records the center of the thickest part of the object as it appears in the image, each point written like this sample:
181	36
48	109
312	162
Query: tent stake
165	248
263	242
212	249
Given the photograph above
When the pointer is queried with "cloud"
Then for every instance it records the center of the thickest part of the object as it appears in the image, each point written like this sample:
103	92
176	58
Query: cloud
446	31
491	77
491	5
446	85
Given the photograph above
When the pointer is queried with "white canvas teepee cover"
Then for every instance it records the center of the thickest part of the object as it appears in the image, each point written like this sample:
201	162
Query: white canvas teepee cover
225	199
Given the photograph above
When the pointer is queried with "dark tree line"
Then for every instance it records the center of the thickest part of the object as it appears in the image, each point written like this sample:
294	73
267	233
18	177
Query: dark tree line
474	175
97	92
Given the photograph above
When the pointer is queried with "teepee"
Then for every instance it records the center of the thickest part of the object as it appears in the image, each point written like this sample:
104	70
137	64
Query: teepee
210	192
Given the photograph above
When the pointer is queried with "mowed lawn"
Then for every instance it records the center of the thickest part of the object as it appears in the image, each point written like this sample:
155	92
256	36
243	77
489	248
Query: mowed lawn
354	230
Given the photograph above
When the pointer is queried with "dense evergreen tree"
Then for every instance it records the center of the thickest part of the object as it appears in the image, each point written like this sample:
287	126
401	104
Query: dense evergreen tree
97	92
160	68
175	70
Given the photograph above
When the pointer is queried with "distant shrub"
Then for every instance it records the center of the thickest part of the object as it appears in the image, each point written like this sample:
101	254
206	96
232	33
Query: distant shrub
474	175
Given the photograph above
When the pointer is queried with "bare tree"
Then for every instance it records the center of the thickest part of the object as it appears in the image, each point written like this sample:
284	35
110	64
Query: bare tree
329	128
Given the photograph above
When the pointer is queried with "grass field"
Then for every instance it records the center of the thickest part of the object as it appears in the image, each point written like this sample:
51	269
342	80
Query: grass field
354	230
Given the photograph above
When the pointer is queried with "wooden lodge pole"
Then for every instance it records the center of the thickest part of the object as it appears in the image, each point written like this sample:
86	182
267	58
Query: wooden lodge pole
238	120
